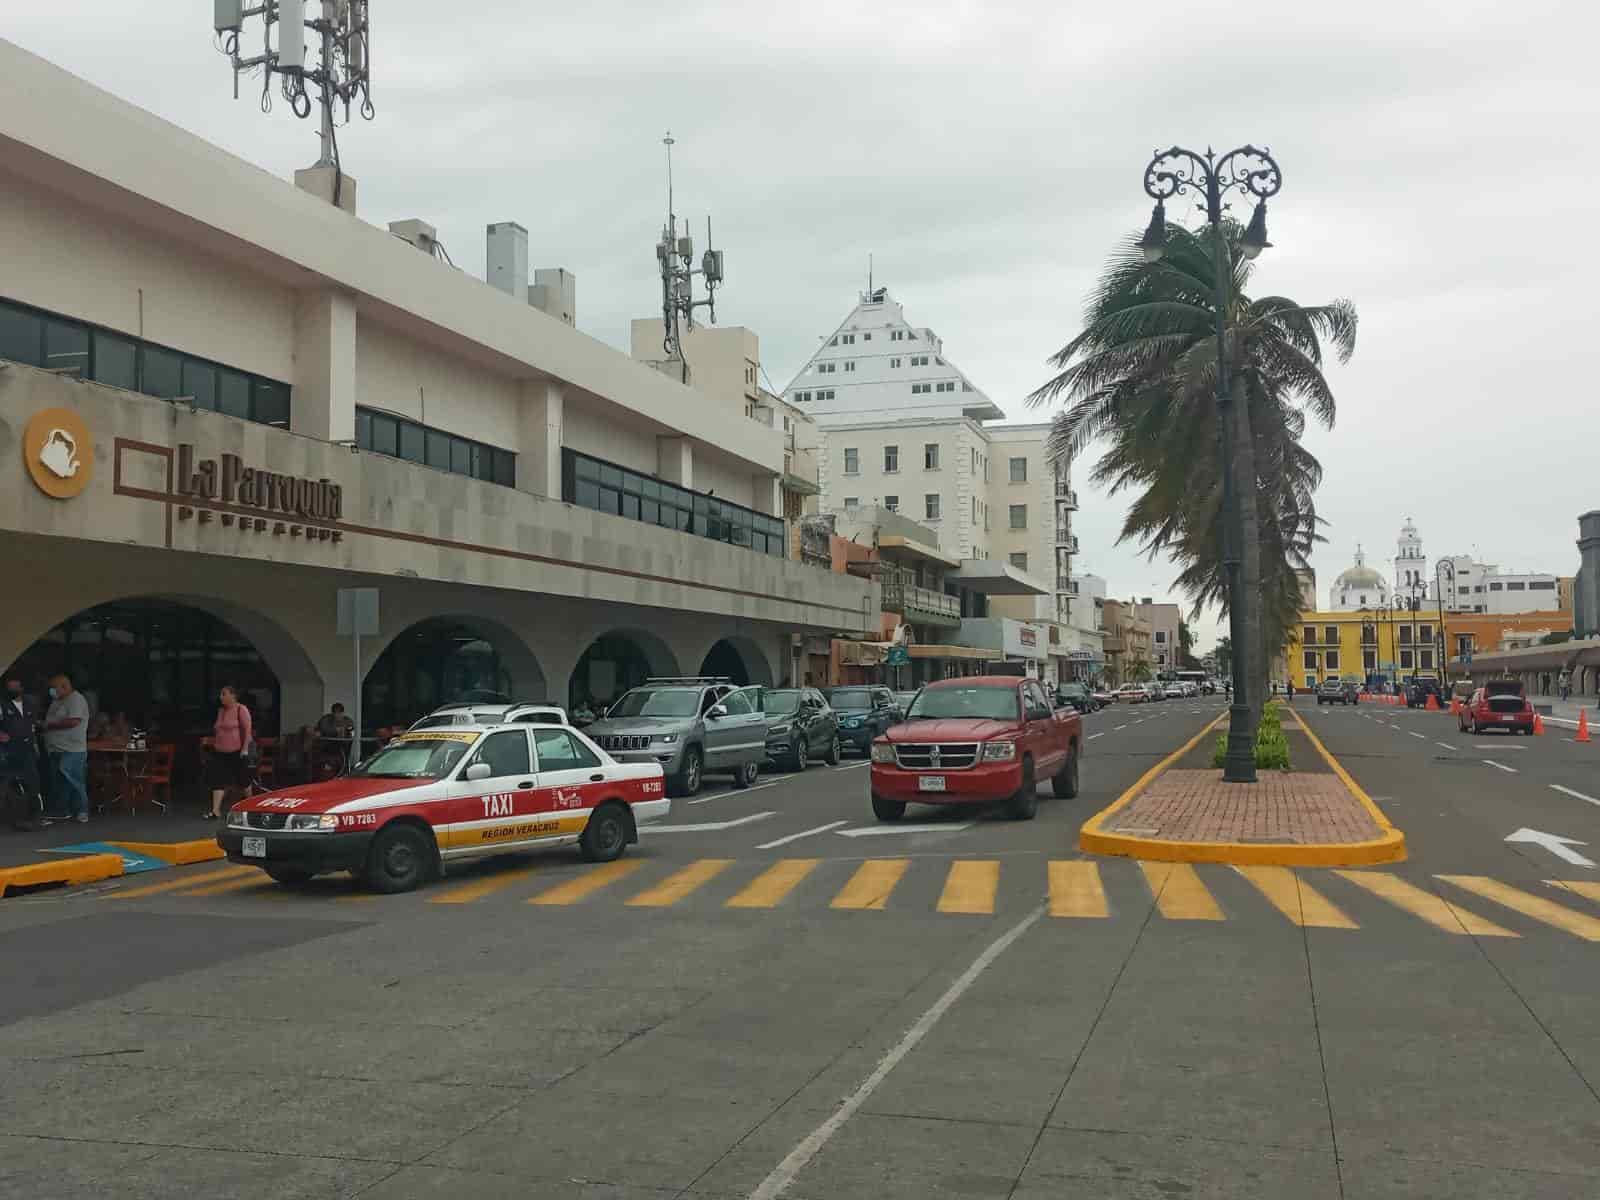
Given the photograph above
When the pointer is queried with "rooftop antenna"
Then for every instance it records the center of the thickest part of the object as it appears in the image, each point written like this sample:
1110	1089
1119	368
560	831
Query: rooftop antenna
341	75
675	258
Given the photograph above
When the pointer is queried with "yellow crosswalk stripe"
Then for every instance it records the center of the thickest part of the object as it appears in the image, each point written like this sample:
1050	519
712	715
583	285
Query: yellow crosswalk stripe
970	887
681	883
1588	889
1296	899
1431	907
588	883
1537	907
1179	893
870	886
477	889
772	886
260	880
1075	889
173	885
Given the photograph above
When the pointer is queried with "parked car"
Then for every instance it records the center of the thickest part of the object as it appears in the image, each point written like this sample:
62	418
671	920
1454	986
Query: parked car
1498	704
1332	691
902	701
1155	691
800	726
865	711
1103	696
983	739
1132	693
1174	691
1420	688
461	713
689	726
1076	695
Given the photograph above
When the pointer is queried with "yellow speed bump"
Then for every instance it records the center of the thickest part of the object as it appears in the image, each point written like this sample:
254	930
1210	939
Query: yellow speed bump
90	868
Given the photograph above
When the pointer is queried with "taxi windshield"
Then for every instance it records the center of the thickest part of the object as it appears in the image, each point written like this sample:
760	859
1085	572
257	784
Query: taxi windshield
415	758
991	703
658	702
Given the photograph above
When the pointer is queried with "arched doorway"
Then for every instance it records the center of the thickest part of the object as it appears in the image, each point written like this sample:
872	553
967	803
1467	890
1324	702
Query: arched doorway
740	660
615	662
444	659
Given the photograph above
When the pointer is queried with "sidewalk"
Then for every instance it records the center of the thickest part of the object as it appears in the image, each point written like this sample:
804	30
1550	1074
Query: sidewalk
1314	815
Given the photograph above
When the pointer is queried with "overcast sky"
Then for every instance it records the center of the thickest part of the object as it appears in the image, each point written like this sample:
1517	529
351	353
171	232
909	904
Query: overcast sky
1436	161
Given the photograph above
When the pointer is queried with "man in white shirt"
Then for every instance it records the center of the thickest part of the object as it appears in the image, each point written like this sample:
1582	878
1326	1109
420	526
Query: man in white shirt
66	741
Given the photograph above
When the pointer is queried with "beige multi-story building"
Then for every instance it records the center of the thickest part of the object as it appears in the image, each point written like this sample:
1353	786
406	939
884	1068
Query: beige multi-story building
1127	642
1163	620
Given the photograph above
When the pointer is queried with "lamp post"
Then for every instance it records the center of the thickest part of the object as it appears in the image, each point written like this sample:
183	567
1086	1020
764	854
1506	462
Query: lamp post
1251	172
1449	568
1369	630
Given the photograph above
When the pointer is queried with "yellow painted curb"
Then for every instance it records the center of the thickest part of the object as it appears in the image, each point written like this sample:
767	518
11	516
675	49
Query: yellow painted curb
179	854
88	869
1388	848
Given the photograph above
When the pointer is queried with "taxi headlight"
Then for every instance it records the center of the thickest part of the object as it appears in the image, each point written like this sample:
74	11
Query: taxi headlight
312	822
999	751
882	752
238	818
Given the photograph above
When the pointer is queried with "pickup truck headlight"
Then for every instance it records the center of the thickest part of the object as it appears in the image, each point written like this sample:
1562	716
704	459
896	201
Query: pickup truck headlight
999	751
238	818
665	739
882	752
312	822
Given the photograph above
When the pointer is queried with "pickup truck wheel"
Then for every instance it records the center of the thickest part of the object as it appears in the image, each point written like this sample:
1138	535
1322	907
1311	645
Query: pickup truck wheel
834	753
745	774
1065	782
1025	803
605	835
888	810
687	781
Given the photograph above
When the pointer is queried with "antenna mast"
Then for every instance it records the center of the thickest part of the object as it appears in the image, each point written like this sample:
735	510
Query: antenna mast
675	258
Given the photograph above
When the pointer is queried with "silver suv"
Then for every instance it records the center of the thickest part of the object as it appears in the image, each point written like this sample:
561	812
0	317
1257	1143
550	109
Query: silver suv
689	725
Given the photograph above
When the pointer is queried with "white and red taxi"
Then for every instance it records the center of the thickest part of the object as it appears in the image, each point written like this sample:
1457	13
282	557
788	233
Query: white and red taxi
434	796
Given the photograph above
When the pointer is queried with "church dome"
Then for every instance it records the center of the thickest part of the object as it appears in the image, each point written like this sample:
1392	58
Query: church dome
1359	577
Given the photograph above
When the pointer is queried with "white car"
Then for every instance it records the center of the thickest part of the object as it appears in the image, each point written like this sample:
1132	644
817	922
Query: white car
1176	691
434	796
492	714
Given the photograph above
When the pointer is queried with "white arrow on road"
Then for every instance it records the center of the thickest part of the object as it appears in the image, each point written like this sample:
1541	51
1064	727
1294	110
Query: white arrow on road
707	827
1555	843
875	830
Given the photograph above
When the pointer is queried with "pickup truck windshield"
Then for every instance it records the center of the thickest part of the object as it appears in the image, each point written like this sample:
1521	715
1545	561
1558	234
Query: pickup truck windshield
657	702
977	703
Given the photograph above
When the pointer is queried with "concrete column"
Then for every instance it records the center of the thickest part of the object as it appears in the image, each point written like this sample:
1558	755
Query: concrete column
675	460
541	437
324	402
1586	594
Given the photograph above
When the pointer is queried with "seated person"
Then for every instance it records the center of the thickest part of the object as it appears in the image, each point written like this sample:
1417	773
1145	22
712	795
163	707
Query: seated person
334	724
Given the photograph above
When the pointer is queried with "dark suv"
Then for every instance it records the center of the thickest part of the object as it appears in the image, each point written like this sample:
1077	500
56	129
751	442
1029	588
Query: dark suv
1418	691
801	728
1333	691
865	710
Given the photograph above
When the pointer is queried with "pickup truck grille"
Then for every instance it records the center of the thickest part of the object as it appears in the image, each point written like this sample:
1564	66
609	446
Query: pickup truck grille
936	756
1505	704
624	741
266	820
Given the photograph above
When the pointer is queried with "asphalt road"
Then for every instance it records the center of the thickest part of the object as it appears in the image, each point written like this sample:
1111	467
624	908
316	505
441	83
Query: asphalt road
773	996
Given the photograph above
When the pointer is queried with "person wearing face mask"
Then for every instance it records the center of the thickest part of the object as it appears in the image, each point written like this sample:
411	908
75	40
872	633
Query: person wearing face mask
66	741
19	755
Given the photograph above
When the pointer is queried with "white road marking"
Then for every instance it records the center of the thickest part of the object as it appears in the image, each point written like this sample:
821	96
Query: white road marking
784	1173
879	830
736	791
1499	746
1092	736
1446	745
852	766
1568	791
795	837
1415	734
1119	729
1489	762
707	827
1560	846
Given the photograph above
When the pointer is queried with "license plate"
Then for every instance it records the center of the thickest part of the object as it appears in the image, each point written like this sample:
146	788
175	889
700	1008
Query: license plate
930	783
1508	718
255	847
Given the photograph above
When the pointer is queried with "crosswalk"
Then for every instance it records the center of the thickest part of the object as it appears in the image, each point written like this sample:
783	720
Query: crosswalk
1076	889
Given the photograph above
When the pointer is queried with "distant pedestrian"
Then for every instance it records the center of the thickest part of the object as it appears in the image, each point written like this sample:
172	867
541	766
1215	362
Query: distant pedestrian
231	736
19	754
66	742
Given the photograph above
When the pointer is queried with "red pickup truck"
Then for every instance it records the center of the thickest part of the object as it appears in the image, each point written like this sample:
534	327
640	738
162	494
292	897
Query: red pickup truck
982	739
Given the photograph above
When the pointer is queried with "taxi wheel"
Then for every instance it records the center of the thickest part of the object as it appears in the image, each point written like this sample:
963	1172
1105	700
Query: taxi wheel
834	753
606	834
400	859
746	774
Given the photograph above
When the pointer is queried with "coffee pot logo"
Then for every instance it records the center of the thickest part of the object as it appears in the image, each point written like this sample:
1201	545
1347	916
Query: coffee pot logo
58	452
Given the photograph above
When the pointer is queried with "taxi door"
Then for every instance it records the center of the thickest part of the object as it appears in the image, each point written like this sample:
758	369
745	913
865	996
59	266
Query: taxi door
493	795
571	778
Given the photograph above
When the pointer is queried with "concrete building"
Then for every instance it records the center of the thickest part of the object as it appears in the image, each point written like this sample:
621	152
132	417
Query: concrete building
1357	586
233	399
1469	585
1164	620
1411	575
1127	642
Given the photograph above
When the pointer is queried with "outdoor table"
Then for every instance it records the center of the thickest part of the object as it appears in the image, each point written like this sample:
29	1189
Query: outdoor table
124	758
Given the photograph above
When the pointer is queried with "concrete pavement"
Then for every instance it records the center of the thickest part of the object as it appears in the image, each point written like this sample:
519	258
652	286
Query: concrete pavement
1149	1030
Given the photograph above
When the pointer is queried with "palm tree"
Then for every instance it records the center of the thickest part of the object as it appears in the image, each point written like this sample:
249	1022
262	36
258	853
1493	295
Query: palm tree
1138	670
1142	375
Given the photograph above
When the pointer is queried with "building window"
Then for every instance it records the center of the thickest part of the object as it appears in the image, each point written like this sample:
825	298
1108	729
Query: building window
386	434
1425	659
1405	660
1019	470
850	365
1516	587
1019	516
1333	660
1019	560
851	503
1495	587
1405	635
1425	633
1310	635
1161	637
891	459
974	510
919	389
1541	585
827	395
930	506
919	360
897	335
930	456
866	337
944	387
1369	660
609	488
892	503
1330	635
1311	660
852	460
894	362
848	339
827	368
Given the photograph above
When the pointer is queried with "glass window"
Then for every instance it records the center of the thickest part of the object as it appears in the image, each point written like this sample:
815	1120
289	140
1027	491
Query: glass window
505	468
66	348
930	456
1405	660
160	373
199	384
738	704
560	751
411	442
385	434
1309	635
116	361
1311	660
271	403
1516	587
233	393
21	336
363	429
852	460
506	753
891	458
438	449
892	503
1019	560
1019	516
1333	660
1019	470
1330	635
1425	659
930	505
586	494
1424	633
852	502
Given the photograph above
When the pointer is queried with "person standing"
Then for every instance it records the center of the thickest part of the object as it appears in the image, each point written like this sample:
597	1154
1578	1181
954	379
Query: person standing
231	735
19	754
66	742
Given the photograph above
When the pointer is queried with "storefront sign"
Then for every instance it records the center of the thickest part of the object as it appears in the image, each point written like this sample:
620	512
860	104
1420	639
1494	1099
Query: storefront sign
292	505
58	453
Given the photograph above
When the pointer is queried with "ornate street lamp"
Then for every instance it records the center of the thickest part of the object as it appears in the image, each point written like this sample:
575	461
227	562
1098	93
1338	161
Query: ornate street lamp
1449	568
1251	172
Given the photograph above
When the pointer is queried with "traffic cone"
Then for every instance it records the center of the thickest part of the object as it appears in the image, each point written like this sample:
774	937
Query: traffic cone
1455	706
1432	705
1538	725
1583	725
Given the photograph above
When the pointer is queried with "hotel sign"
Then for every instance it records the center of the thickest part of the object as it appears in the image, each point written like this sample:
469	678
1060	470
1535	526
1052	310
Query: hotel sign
275	502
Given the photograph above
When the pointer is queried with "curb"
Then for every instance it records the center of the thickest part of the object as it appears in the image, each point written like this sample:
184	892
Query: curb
1390	847
91	868
177	854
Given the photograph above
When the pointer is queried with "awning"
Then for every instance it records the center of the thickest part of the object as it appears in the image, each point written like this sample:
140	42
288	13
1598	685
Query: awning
864	654
938	650
909	546
995	577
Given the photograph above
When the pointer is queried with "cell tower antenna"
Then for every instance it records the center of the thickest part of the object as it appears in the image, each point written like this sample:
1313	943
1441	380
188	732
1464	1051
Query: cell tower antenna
675	258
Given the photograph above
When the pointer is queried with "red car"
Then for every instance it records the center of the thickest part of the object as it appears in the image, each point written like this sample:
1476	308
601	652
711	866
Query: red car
1498	704
982	739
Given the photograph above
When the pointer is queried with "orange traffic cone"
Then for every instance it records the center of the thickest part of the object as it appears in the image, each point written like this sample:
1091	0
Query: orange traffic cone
1432	705
1538	725
1455	706
1583	725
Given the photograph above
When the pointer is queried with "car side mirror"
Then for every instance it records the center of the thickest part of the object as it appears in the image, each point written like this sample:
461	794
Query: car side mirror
478	770
716	712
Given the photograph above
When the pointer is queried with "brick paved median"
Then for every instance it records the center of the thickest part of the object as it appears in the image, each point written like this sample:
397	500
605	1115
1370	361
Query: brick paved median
1289	807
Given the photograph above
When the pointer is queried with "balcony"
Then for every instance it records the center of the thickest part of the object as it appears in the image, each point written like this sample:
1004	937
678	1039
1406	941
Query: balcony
1067	584
1065	540
1066	497
921	605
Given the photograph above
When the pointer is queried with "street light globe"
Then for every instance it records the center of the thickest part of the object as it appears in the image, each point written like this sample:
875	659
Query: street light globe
1154	242
1254	240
